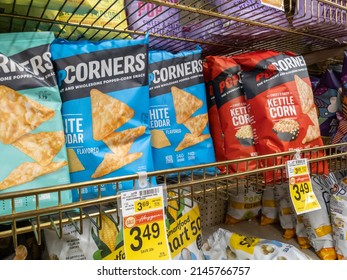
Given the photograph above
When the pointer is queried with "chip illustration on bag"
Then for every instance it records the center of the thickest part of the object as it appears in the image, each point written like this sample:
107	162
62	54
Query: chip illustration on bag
108	114
305	94
185	104
42	146
113	162
196	125
120	142
19	115
75	164
159	139
191	140
28	171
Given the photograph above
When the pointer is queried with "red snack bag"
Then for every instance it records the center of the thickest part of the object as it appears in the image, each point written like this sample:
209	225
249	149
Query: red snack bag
231	104
281	105
215	125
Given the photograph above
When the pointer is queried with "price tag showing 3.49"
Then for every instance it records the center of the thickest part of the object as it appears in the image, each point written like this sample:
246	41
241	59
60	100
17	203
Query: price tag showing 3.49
301	193
144	225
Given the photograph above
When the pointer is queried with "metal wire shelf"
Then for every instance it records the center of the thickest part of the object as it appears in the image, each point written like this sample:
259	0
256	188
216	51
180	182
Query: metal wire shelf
320	27
237	28
194	182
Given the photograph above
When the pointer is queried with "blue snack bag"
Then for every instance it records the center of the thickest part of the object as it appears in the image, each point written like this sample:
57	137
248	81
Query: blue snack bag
178	110
32	144
104	88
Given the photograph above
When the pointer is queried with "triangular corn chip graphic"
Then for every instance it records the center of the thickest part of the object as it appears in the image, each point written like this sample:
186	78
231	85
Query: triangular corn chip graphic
313	132
305	94
42	146
28	171
75	164
108	114
313	116
19	115
120	142
191	140
113	162
185	104
197	124
159	139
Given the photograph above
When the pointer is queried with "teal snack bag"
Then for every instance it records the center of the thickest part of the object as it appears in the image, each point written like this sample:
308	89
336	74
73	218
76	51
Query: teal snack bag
32	144
104	88
178	110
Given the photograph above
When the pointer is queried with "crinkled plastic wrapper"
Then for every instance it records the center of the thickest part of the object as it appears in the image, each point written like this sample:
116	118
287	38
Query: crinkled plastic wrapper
213	116
105	243
243	204
228	245
318	223
327	98
338	212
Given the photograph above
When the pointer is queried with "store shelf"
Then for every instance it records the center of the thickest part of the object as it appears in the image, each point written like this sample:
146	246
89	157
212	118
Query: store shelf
194	182
316	42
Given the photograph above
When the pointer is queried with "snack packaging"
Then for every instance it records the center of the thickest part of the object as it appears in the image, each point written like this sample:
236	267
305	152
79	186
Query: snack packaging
318	223
106	128
31	126
244	203
105	243
281	106
228	245
213	117
231	104
178	112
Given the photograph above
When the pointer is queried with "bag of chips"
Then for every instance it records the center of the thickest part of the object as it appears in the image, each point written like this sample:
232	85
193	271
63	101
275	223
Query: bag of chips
31	126
178	110
231	104
318	223
213	117
228	245
281	106
106	127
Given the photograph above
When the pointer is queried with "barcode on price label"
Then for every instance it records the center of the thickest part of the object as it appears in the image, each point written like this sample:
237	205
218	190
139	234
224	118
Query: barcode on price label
141	200
148	192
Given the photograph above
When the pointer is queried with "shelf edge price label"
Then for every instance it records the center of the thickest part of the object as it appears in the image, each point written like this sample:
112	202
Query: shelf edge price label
144	231
300	187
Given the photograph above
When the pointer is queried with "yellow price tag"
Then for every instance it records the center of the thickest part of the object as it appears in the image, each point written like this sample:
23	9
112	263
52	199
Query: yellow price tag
302	195
302	169
148	204
144	229
145	236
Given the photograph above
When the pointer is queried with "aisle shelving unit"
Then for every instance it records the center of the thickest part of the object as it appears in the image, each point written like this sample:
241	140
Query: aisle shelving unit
316	42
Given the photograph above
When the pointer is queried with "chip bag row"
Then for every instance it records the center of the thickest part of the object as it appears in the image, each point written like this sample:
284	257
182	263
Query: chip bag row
77	111
266	105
